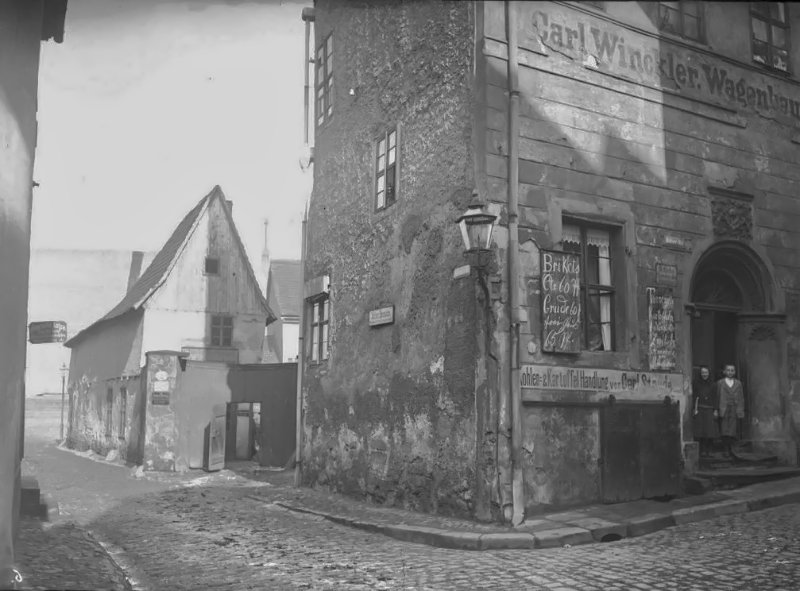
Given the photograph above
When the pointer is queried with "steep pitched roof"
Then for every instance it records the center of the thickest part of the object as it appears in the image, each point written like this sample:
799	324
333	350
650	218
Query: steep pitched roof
165	260
287	277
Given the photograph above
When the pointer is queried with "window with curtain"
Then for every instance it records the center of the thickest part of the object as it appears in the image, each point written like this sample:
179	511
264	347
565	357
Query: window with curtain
594	245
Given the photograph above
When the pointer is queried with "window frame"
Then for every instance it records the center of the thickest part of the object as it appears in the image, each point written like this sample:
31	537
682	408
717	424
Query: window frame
587	288
210	259
769	23
323	81
382	172
319	350
109	411
219	322
701	20
123	411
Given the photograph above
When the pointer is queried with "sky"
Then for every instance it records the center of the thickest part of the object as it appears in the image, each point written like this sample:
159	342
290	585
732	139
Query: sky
148	104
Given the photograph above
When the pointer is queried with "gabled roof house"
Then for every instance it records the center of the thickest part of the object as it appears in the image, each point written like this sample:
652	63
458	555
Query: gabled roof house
199	295
284	294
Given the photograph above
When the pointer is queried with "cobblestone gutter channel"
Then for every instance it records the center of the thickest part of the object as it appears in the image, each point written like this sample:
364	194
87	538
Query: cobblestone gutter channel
134	579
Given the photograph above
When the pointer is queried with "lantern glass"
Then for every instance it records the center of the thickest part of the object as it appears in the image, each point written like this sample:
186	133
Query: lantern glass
476	228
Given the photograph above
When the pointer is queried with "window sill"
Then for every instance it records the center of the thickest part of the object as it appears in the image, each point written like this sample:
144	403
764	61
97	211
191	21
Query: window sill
687	40
380	210
772	70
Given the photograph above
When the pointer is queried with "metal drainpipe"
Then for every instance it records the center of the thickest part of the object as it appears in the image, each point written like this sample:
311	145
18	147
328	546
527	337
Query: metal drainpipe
298	436
517	489
308	18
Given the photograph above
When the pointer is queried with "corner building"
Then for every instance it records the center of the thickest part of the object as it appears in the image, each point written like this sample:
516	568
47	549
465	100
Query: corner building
642	159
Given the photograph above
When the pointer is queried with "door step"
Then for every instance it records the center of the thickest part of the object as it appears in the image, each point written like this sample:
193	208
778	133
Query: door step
736	476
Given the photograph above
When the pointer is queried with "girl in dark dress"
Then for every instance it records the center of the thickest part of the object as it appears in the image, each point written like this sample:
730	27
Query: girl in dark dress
704	391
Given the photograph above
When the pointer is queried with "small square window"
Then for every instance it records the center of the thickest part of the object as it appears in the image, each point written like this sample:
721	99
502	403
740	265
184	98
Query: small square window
212	266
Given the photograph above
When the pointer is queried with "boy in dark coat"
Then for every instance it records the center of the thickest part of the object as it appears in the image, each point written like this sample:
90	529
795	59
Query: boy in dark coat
730	405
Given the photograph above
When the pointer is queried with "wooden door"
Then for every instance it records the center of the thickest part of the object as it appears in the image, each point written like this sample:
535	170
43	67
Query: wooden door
621	473
641	451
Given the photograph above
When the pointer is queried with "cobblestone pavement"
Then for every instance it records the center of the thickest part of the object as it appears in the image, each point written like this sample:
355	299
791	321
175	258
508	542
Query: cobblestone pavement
62	556
223	532
222	538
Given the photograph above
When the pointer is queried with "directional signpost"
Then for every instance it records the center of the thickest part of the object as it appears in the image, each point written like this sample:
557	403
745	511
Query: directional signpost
52	331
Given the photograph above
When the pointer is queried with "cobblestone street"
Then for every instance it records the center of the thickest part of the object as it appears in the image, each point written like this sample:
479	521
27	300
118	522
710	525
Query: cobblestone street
196	532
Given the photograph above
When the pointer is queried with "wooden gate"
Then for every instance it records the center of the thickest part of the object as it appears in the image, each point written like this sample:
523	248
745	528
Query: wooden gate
274	386
640	451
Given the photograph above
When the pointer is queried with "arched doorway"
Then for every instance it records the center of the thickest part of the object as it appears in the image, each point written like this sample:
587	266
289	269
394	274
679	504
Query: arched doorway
733	321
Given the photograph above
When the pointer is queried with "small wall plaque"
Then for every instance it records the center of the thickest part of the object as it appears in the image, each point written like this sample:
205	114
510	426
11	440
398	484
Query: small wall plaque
160	398
666	274
381	316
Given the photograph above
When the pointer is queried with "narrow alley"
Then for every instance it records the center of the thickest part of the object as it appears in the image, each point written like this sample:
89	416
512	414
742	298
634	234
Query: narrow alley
225	531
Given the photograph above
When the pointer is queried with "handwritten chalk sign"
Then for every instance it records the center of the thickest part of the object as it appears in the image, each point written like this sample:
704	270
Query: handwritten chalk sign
662	348
561	302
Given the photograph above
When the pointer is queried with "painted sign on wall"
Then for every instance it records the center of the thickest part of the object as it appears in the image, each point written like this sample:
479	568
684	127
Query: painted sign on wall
553	377
561	302
662	348
647	60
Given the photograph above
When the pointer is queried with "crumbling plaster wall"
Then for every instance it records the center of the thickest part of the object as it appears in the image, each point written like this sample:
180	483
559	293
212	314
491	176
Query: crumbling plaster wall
99	361
391	415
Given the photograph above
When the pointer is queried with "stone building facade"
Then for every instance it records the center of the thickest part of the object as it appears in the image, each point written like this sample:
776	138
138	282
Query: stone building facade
642	162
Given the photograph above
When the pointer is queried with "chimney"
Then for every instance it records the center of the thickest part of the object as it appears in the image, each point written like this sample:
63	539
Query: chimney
229	203
137	257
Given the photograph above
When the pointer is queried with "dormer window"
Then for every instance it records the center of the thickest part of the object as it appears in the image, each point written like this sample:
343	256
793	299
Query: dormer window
212	266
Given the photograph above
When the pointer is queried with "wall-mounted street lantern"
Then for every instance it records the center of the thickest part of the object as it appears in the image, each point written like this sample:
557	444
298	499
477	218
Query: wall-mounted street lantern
476	227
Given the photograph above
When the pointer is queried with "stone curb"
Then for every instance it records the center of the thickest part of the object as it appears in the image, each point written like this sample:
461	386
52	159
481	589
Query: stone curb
710	511
583	531
774	500
133	579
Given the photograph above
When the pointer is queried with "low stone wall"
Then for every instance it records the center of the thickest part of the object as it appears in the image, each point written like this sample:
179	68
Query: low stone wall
101	414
